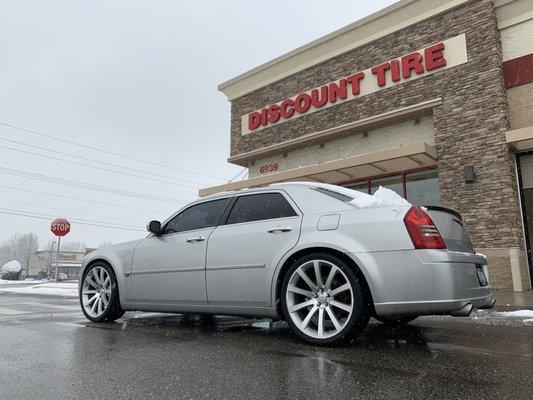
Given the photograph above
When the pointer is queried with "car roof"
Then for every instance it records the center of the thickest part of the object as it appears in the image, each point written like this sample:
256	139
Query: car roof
273	186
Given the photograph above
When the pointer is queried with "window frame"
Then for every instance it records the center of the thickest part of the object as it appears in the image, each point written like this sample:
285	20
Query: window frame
189	206
402	174
285	195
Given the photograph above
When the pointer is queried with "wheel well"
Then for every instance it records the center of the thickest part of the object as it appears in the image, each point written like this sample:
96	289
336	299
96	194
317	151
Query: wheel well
289	262
99	260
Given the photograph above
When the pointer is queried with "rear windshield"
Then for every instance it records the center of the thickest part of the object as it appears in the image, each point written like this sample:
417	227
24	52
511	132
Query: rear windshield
335	195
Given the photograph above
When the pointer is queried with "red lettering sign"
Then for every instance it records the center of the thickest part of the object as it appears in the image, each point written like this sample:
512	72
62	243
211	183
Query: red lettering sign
416	63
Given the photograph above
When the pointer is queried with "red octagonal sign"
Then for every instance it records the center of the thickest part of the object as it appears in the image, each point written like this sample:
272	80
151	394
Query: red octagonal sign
60	227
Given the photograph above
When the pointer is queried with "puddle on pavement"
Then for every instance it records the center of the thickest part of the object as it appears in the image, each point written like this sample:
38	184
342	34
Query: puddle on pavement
216	323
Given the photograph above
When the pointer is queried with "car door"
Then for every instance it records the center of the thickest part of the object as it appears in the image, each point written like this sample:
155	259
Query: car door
259	229
170	268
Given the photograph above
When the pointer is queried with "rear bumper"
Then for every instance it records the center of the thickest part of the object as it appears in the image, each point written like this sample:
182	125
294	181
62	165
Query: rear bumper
426	282
457	308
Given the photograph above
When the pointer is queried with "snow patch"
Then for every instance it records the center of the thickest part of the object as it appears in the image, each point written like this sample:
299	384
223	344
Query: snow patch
12	266
382	198
69	289
26	281
519	313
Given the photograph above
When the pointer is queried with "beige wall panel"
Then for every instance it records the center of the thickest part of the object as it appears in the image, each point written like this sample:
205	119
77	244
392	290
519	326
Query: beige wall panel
517	40
388	137
520	100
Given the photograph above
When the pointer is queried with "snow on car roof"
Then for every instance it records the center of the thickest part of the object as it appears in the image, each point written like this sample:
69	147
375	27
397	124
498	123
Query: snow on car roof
383	197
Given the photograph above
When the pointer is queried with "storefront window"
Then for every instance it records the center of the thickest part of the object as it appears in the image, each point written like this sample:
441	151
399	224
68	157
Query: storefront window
361	186
394	183
423	188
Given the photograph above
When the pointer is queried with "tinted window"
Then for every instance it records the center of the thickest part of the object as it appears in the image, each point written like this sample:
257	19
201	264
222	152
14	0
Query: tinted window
204	215
257	207
335	195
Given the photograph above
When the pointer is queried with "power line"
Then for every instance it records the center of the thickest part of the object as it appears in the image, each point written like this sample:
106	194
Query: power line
83	185
81	223
68	211
95	167
33	132
77	156
79	199
74	219
239	174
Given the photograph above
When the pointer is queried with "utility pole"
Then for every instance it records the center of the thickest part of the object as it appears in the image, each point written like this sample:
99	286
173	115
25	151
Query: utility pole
57	257
51	258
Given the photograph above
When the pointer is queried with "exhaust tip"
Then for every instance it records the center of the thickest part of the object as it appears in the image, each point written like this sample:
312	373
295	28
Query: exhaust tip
490	305
464	311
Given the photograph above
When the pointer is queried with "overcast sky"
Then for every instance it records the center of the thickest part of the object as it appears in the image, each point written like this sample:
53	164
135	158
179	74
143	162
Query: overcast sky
137	78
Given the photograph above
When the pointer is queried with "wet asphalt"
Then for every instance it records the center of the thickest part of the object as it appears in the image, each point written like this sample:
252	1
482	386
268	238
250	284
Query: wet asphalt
49	351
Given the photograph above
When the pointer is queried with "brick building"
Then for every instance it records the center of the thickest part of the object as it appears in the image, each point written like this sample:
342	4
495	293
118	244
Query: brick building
430	98
69	262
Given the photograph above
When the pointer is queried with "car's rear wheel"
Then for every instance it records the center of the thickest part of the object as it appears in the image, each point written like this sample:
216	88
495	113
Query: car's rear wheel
396	321
99	297
323	300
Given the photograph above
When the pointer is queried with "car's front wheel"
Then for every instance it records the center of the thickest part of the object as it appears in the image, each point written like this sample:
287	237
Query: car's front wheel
323	300
99	297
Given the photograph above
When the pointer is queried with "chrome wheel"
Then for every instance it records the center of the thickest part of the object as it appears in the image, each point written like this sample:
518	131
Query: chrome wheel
319	299
96	292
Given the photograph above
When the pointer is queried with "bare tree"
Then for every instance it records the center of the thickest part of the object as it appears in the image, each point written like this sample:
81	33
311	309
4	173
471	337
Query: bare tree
29	244
73	246
19	247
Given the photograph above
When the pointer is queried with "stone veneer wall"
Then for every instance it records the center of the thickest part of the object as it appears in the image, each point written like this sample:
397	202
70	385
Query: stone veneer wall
469	124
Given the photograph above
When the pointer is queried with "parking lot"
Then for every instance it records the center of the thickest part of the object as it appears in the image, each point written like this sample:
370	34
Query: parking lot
49	351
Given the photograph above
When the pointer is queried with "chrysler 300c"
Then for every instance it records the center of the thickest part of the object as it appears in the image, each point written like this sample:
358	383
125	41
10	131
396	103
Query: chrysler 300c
321	257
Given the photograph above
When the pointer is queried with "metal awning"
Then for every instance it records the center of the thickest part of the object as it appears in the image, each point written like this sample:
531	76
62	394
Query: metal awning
66	264
520	139
417	155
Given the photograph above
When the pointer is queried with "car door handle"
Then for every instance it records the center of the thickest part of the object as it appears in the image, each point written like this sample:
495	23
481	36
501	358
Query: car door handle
196	239
279	229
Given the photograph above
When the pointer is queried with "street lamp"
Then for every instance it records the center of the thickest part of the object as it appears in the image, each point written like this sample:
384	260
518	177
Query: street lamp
51	255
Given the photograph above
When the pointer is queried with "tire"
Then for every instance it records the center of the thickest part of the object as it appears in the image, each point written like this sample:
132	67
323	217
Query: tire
396	321
99	293
344	298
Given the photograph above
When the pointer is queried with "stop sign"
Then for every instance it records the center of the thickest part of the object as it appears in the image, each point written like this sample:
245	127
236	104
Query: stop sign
60	227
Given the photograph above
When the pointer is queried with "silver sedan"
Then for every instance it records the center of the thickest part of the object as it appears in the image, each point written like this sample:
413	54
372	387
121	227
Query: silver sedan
304	253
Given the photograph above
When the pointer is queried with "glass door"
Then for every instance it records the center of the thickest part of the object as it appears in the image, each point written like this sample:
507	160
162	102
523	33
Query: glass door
525	166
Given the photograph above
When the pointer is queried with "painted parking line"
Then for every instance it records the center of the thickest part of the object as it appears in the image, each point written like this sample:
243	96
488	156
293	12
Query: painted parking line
10	311
40	315
53	306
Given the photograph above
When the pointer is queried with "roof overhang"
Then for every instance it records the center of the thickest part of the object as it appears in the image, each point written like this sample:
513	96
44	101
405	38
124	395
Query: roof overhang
66	264
397	16
387	161
520	139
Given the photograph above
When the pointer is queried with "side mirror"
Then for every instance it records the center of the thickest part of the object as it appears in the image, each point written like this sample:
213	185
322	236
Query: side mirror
154	227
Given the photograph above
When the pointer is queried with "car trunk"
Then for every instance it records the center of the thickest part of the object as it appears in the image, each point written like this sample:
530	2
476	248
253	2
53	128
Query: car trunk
450	226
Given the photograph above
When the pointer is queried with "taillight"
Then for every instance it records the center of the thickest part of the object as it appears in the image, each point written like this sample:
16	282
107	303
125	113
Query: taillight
422	230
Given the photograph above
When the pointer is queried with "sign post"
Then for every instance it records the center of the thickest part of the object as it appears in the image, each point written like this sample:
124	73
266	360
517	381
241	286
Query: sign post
60	227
